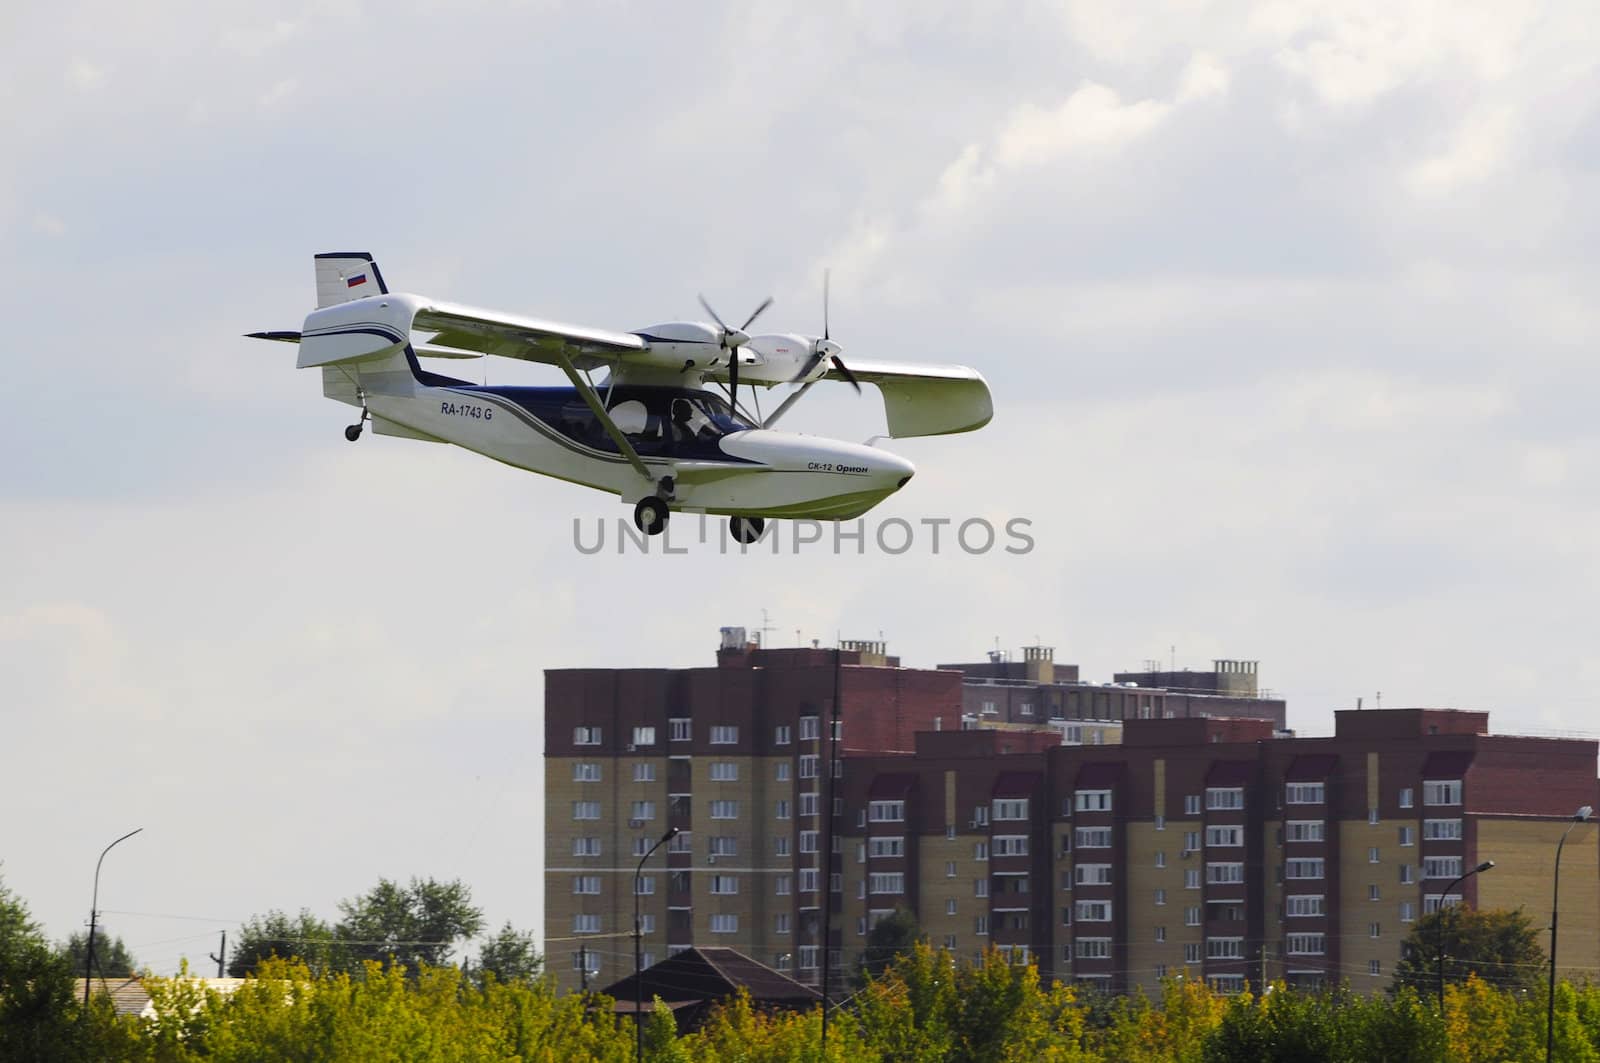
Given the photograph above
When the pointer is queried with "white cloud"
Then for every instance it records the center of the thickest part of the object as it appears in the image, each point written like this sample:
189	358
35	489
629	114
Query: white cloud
84	75
1091	120
1205	76
1479	148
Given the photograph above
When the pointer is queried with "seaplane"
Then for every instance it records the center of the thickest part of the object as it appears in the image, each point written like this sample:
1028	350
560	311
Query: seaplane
653	430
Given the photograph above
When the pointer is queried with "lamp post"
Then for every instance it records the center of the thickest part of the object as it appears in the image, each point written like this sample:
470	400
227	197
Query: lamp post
94	905
1580	816
1439	933
638	945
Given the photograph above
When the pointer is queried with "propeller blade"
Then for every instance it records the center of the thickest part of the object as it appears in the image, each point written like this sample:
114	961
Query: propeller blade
845	372
755	313
825	334
713	314
805	370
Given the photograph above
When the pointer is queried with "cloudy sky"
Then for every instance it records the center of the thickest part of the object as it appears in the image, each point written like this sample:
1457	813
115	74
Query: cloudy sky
1288	311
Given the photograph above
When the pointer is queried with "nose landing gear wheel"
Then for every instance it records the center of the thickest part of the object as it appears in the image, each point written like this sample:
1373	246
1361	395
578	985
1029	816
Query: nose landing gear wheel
650	516
746	529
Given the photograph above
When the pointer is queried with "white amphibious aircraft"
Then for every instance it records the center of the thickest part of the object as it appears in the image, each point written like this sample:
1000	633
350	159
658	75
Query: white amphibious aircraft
650	432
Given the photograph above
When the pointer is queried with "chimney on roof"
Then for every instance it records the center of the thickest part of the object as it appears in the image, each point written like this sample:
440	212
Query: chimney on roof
1039	663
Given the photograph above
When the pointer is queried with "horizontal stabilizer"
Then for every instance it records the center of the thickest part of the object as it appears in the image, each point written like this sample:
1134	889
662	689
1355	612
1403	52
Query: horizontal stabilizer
280	336
928	400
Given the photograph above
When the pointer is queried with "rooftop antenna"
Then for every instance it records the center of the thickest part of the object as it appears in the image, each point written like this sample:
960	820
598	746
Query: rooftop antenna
1173	650
1377	699
766	626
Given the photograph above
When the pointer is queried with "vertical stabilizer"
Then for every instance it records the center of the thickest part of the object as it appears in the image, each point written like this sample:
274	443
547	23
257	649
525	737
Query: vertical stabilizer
346	275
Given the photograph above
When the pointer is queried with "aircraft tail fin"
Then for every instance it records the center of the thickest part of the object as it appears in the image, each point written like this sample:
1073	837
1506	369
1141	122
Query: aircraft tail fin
343	276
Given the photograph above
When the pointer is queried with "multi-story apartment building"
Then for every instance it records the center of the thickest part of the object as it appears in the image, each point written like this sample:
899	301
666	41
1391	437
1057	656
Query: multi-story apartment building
734	757
1115	847
1210	847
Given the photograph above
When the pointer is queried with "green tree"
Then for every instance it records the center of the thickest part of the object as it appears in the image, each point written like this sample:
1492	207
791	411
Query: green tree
1500	946
37	990
510	957
111	957
895	935
410	925
303	937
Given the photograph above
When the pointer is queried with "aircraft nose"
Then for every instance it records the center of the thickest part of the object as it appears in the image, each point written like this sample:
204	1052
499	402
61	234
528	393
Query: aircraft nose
898	470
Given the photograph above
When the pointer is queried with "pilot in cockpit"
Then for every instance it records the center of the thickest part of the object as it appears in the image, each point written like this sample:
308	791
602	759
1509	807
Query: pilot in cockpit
689	424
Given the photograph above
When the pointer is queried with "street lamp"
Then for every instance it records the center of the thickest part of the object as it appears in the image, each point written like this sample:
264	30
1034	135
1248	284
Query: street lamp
638	944
1580	816
1439	923
94	905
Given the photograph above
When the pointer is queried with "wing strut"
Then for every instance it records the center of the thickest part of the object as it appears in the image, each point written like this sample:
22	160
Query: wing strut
600	413
790	401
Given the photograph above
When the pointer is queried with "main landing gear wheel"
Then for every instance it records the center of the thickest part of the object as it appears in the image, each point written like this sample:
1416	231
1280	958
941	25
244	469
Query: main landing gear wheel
352	432
746	529
650	516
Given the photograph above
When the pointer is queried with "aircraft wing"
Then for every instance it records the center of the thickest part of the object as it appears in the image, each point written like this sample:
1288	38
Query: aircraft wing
530	339
926	400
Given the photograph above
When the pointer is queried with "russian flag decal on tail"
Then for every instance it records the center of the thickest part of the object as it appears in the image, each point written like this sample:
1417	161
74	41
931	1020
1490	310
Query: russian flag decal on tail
359	278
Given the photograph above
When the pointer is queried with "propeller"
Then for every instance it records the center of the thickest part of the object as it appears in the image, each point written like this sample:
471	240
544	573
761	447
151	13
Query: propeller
826	348
732	339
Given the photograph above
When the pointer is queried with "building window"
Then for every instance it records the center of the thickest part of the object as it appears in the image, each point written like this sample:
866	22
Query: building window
783	771
781	735
724	845
724	810
886	847
1304	868
980	816
586	961
809	803
647	924
1092	837
888	882
644	736
724	771
1303	905
1224	798
585	771
1092	948
586	736
1303	793
586	810
586	885
808	957
1441	792
1406	800
808	766
950	906
644	885
644	772
1407	875
1010	845
949	869
1224	948
1161	858
586	847
1304	944
643	811
1092	911
724	885
1374	930
1191	950
1408	911
1372	892
1161	896
809	729
1441	830
1303	830
980	851
1191	915
781	809
1092	874
980	887
1372	855
1011	809
950	942
1374	967
1191	804
980	926
1161	934
1432	902
1092	801
782	885
809	877
1224	874
725	735
679	729
1191	878
1372	817
989	708
1191	841
808	841
1224	836
1441	866
724	924
1408	836
886	811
